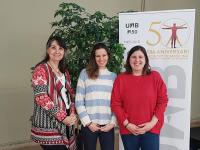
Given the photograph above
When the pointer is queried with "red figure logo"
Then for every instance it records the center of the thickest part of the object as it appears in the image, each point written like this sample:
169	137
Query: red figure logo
174	36
176	32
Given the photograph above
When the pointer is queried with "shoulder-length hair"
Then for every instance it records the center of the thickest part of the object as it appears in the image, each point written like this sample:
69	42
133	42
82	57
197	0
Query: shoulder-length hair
92	68
147	69
62	64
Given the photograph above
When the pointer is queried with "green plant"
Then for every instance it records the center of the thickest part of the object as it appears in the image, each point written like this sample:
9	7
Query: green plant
81	31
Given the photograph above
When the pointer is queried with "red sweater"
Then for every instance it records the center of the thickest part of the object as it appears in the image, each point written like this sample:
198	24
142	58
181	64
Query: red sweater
138	99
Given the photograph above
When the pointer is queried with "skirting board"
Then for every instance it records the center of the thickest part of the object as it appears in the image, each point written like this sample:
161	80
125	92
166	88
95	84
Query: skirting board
195	122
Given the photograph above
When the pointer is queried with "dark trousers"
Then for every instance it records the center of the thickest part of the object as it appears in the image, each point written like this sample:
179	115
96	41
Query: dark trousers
53	147
106	139
147	141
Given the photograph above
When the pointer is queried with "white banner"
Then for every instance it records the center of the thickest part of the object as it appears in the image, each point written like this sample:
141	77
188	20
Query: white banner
168	38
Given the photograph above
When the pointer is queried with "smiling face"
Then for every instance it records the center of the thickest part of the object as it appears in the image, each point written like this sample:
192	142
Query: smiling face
101	58
137	62
55	52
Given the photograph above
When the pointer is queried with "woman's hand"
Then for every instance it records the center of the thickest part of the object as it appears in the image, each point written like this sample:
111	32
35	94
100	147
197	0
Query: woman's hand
107	127
132	128
145	127
70	120
93	127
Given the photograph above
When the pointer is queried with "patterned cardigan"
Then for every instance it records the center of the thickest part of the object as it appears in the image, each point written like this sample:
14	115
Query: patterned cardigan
49	109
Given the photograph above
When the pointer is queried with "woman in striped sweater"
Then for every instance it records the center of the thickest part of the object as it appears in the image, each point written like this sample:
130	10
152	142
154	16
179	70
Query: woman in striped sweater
92	100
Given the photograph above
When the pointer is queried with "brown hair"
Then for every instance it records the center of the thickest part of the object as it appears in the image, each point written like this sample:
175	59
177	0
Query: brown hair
92	67
60	41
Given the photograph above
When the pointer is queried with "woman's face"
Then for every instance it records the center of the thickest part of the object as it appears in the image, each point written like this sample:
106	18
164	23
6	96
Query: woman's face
55	52
101	58
137	62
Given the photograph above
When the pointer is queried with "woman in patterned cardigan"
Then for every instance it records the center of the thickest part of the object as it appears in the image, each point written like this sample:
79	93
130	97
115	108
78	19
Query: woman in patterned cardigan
54	112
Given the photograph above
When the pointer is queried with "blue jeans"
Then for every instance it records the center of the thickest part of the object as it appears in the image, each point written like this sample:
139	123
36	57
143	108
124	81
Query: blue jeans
147	141
106	139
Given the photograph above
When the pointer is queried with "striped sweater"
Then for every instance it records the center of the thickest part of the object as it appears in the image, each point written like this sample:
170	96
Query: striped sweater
93	97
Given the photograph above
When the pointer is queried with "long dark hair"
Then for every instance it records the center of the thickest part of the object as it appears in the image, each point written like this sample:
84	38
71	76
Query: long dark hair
92	67
147	69
62	64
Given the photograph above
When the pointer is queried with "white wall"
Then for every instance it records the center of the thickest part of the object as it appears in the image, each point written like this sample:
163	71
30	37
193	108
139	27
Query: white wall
24	29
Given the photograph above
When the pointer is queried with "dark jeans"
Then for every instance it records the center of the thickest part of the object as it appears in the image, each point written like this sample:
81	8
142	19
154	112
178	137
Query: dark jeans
147	141
106	139
53	147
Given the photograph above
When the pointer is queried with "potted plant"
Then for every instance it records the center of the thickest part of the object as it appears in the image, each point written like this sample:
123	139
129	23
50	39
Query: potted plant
81	31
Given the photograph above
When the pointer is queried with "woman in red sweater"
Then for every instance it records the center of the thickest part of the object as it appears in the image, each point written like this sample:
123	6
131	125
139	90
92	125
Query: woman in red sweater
139	99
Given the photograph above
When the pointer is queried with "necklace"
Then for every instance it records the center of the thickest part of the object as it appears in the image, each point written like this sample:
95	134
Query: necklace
55	69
